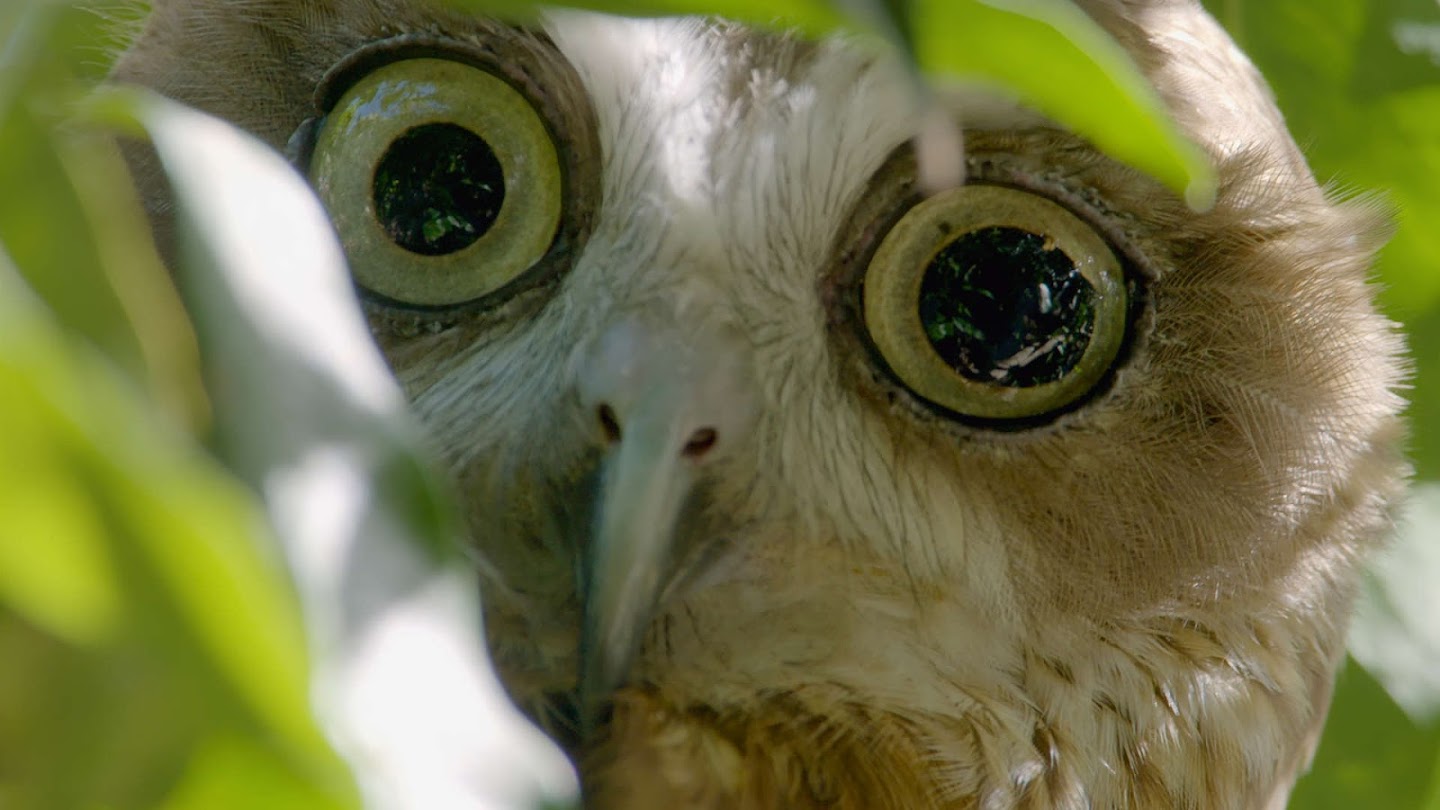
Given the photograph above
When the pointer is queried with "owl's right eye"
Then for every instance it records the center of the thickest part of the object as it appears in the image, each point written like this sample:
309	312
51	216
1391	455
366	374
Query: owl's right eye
442	179
995	304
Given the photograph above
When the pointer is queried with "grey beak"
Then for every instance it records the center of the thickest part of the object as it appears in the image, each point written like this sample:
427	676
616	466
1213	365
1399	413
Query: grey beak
672	397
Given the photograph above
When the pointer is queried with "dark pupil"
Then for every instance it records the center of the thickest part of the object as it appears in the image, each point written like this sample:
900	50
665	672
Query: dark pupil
1002	308
438	189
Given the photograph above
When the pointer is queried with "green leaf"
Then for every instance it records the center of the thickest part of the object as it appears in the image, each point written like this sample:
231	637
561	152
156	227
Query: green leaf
1395	634
43	221
1059	61
1047	53
140	613
232	772
70	220
309	414
208	636
54	564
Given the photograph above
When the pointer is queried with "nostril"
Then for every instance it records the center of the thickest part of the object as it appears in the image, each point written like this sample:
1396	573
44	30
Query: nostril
609	425
700	443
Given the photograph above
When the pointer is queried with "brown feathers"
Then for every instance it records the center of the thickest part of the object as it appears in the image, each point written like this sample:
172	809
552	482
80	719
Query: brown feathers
832	755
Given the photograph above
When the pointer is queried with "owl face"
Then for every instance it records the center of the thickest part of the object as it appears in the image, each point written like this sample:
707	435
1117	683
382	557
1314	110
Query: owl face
792	486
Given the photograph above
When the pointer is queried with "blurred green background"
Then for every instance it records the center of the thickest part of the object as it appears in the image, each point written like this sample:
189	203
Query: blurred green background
151	650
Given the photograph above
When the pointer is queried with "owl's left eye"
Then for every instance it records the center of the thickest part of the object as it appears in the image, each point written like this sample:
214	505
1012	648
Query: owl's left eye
995	304
442	180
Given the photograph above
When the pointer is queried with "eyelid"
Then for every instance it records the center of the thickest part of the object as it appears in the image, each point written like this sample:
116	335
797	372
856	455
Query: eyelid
374	55
368	58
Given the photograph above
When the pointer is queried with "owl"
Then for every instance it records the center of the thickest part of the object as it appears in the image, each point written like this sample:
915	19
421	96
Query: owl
793	486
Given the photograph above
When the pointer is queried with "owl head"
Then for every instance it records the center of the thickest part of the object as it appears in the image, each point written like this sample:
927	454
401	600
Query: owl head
793	486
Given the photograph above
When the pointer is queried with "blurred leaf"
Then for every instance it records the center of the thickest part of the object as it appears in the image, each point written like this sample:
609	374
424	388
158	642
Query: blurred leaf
67	583
404	683
139	613
1395	633
95	725
1059	61
233	772
78	247
70	220
64	266
207	636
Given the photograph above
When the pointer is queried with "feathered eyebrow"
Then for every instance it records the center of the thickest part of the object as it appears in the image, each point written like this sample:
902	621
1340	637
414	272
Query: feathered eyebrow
355	65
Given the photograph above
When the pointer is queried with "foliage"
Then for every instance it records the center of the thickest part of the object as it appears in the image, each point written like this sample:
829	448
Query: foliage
153	650
171	638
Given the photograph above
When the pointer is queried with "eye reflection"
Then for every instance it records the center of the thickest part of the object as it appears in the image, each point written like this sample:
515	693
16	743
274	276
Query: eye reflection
1003	306
438	189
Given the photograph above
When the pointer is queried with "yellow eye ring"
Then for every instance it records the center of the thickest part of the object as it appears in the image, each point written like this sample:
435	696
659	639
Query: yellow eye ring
442	179
995	303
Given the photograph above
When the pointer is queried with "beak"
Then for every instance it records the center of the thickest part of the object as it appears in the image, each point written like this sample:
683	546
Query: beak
666	405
